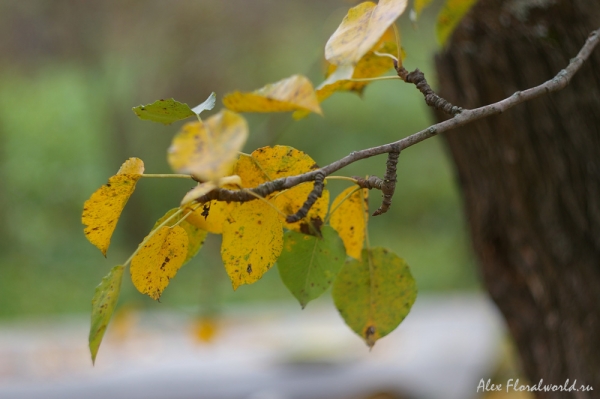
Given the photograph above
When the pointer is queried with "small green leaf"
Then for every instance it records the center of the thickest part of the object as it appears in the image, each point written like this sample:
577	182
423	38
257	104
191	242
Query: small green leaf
164	111
103	305
375	294
207	105
308	264
196	236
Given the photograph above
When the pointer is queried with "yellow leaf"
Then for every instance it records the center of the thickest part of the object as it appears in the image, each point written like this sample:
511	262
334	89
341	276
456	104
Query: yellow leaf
195	235
371	65
291	94
252	242
207	150
204	188
270	163
350	213
361	29
449	17
102	210
158	260
217	212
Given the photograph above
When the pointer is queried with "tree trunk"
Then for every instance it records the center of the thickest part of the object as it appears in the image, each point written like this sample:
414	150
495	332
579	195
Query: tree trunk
531	179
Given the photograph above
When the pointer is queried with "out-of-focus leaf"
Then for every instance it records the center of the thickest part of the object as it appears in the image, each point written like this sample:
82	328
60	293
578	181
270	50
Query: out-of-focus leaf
208	150
350	213
270	163
102	210
375	294
252	242
308	264
361	29
451	14
196	235
207	105
291	94
157	262
103	305
163	111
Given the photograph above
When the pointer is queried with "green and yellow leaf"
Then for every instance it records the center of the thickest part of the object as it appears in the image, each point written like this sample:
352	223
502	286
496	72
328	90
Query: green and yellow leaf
375	294
270	163
102	210
196	235
252	242
291	94
451	14
208	150
309	264
163	111
157	262
349	217
103	305
361	29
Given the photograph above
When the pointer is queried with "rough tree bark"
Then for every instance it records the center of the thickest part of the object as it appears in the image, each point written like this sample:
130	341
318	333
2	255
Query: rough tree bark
531	179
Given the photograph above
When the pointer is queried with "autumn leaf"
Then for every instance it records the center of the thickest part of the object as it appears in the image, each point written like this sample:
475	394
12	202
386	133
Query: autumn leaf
451	14
252	242
291	94
361	29
208	150
270	163
103	305
163	111
158	260
374	295
216	212
196	235
349	216
102	210
373	64
308	264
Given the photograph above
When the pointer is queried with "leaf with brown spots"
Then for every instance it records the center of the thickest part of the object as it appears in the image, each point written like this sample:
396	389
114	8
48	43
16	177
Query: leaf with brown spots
349	217
104	302
270	163
291	94
252	242
308	264
196	235
212	215
361	29
102	211
157	262
374	295
163	111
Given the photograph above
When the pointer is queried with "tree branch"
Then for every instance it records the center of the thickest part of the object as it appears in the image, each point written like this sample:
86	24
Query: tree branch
464	117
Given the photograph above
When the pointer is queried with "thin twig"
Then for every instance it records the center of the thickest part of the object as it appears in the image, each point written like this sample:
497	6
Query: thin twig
560	81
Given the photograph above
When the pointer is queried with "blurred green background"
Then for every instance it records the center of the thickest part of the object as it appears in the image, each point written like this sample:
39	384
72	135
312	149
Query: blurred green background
71	70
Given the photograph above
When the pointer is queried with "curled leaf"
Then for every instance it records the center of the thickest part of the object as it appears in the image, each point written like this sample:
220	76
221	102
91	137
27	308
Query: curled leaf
375	294
102	210
207	105
291	94
157	262
208	150
164	111
361	29
104	302
252	242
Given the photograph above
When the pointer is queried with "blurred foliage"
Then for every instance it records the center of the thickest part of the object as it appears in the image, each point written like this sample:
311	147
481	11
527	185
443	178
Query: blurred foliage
72	70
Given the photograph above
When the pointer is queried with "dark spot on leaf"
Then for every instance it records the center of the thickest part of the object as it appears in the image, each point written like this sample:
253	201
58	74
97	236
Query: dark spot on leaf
249	268
369	331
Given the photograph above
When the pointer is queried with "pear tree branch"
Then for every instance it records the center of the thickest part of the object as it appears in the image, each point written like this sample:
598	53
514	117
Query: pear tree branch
387	185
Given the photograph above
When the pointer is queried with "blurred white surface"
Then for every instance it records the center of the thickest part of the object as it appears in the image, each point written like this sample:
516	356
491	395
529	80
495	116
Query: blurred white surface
442	350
